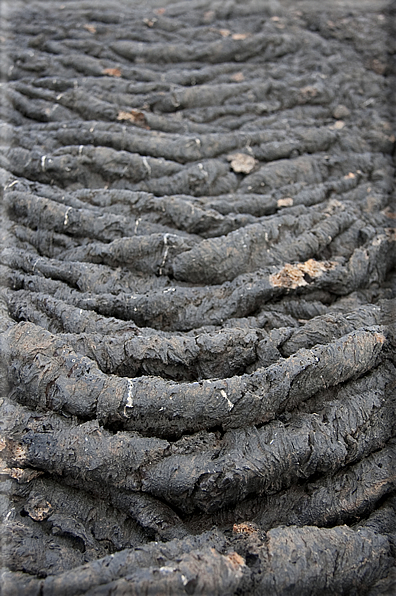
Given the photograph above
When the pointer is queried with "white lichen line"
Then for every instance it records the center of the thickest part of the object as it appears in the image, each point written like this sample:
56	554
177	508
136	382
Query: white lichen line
35	263
137	224
200	167
11	184
230	405
129	399
147	165
165	253
66	220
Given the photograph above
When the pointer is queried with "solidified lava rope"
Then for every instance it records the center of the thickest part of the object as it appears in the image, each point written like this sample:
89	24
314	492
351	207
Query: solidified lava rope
197	308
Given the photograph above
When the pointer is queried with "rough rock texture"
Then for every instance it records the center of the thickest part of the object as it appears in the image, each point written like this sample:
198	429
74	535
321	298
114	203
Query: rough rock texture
197	301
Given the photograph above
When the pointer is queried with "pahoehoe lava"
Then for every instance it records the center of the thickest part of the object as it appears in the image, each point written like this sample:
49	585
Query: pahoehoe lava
197	298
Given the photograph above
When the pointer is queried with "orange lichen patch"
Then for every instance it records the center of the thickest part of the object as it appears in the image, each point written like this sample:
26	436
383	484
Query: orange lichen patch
22	475
386	125
39	509
286	202
90	28
300	274
135	117
149	22
112	72
6	471
235	560
239	36
241	163
209	15
333	206
389	213
377	66
378	240
18	452
391	234
380	338
244	528
371	204
3	467
341	112
308	92
160	11
238	77
223	32
20	335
